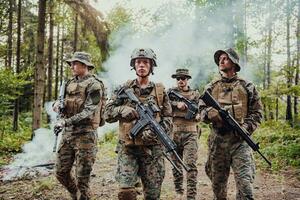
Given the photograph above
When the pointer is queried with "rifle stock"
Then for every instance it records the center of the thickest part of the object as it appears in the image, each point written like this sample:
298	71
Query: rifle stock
225	115
147	119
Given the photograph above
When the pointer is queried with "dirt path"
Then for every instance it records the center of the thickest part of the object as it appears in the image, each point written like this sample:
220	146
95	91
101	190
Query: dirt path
267	186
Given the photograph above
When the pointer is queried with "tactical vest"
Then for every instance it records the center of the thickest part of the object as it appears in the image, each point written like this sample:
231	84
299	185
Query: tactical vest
233	97
157	94
180	124
76	94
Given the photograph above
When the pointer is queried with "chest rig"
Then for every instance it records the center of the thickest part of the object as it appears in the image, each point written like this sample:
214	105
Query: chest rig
76	94
156	98
180	124
233	97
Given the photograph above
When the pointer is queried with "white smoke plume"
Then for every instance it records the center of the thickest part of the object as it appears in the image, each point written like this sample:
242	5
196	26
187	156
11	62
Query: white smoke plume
36	152
181	34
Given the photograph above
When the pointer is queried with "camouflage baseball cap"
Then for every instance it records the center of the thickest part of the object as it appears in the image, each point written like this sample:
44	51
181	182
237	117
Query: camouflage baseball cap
181	73
82	57
143	53
233	56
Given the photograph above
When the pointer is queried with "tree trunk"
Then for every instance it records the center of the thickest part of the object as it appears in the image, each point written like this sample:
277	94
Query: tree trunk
269	55
50	54
95	22
289	73
75	33
297	65
62	56
9	36
16	107
57	62
39	75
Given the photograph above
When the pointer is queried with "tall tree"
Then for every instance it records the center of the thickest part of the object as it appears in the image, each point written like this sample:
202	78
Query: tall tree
50	50
39	75
57	61
289	73
9	35
50	53
16	107
297	64
75	33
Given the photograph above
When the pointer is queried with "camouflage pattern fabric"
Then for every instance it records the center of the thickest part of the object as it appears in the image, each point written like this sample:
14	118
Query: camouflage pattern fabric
139	161
82	150
226	149
79	140
187	147
185	135
144	162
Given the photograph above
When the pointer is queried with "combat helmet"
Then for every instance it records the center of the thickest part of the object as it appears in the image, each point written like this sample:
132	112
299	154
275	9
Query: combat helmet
143	53
233	56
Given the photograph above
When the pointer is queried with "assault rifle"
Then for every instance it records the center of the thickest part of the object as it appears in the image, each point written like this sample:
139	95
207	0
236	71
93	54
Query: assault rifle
146	118
191	106
231	122
61	108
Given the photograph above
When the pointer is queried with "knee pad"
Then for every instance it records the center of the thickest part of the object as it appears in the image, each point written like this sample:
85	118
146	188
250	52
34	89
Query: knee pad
127	194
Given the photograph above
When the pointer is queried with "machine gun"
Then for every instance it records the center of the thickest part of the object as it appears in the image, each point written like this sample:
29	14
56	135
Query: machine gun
61	108
146	118
231	122
191	106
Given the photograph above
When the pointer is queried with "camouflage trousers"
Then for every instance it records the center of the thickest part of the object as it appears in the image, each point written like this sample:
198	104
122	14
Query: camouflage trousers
82	149
144	162
187	147
227	151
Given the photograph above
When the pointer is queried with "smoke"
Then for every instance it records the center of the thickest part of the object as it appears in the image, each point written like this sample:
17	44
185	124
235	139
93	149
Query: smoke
180	33
36	152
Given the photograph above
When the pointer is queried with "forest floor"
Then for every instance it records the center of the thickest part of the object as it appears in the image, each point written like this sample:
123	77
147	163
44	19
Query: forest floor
278	185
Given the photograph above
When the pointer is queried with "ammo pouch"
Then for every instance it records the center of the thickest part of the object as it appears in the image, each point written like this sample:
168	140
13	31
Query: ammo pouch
236	111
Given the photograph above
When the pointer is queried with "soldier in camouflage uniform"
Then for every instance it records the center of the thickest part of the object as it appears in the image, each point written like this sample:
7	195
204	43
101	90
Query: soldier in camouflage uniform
185	134
82	117
226	148
142	157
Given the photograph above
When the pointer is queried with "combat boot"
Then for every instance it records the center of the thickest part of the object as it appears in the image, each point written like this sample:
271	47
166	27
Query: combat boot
127	194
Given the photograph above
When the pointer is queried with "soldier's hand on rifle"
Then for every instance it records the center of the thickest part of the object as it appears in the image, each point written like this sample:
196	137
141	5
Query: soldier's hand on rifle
60	124
181	106
149	136
127	113
198	117
55	106
214	116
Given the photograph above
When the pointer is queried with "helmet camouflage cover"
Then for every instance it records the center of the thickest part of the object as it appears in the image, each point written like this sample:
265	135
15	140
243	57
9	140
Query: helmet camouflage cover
143	53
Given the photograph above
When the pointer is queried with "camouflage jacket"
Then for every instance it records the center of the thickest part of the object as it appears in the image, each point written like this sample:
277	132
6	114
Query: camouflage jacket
81	113
253	116
111	114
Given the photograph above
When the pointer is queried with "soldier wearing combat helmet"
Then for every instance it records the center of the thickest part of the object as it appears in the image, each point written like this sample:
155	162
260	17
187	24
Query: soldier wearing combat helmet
143	157
226	149
82	116
185	134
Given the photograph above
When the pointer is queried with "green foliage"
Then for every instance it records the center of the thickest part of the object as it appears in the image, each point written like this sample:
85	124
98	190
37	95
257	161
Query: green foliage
280	143
118	17
43	185
12	142
10	86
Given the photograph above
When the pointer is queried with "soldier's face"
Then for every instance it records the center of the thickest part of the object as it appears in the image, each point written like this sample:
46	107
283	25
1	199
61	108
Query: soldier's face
182	81
78	68
225	64
142	66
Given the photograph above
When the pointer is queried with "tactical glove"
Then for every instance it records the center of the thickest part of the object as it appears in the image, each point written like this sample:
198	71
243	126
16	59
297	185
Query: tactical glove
60	124
149	136
214	116
127	113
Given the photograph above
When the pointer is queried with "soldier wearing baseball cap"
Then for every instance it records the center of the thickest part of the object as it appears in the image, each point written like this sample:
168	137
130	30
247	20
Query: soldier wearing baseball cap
226	149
